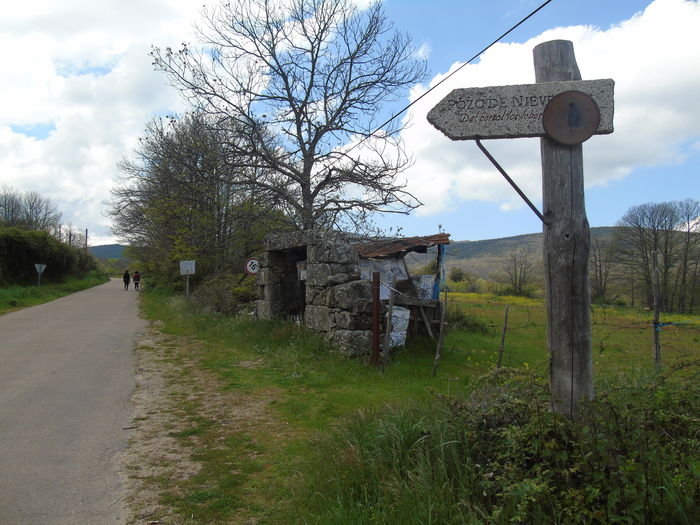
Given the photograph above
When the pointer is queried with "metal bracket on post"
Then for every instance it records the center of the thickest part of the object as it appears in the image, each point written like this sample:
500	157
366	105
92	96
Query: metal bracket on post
546	219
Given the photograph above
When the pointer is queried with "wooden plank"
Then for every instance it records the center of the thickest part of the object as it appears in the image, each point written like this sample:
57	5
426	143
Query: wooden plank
405	300
426	322
566	249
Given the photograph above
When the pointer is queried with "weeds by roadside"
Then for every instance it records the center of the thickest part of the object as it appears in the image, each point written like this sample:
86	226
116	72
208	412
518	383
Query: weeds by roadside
353	445
500	456
16	297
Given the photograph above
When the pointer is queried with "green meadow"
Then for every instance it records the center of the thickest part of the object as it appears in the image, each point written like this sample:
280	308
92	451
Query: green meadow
342	442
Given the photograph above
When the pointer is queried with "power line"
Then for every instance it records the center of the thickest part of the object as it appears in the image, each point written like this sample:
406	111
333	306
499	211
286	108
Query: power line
477	55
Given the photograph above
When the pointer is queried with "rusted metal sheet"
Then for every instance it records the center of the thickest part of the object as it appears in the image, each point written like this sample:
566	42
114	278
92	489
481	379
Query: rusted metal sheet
400	247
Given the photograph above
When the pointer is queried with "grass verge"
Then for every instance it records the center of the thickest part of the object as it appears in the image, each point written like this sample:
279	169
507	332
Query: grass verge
334	441
16	297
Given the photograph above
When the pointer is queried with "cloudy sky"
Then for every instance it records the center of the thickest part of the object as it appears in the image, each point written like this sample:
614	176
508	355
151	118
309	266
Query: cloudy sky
78	87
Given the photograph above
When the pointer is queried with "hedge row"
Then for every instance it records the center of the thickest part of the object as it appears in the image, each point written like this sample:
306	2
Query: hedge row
21	250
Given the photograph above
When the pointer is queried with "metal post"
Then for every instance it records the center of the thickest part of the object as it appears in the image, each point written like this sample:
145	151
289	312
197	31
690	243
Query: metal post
503	337
389	325
374	356
657	313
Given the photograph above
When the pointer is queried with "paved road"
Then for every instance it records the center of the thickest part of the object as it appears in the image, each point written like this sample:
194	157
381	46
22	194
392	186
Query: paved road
66	375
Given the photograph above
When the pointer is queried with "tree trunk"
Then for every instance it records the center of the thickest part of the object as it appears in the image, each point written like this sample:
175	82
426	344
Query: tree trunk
566	249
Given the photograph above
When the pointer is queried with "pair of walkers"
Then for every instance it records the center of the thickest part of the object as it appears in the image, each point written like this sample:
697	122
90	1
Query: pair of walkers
128	278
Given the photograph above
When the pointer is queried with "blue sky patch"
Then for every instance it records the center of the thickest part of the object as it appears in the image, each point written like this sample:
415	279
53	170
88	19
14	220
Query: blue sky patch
73	70
38	131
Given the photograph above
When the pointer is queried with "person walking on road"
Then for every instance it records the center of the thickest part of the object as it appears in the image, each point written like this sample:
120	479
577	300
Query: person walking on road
137	280
127	279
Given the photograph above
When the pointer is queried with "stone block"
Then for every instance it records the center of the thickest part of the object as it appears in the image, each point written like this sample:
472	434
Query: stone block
263	276
351	342
344	320
287	240
318	318
263	309
323	274
316	295
344	296
335	251
363	306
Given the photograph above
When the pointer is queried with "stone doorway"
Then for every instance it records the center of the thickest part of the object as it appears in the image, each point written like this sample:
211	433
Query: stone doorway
286	281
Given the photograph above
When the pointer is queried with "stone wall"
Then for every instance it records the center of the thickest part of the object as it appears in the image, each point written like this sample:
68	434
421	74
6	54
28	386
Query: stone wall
338	303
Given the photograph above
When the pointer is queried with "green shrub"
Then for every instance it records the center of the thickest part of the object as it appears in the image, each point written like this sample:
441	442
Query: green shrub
501	456
458	319
225	293
20	250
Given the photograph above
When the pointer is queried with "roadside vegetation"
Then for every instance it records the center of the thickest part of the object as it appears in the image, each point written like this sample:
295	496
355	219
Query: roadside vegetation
339	442
31	233
16	297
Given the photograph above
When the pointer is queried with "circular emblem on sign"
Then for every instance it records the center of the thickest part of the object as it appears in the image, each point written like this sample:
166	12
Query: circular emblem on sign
571	118
251	266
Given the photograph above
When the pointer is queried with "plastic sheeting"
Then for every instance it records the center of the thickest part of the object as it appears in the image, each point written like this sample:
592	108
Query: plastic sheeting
399	325
388	270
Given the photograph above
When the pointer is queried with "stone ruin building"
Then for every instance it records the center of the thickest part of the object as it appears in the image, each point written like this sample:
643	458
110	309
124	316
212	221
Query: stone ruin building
324	280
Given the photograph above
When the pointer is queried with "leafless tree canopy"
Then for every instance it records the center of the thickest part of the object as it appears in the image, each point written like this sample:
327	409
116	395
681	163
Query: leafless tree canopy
669	231
298	83
518	272
28	211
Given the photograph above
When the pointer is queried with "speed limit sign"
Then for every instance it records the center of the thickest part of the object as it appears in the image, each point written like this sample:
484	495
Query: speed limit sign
252	266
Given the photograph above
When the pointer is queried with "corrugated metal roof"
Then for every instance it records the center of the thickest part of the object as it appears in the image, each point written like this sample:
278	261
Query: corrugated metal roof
400	247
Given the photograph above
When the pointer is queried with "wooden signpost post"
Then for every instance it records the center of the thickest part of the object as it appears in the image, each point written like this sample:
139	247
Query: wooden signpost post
564	111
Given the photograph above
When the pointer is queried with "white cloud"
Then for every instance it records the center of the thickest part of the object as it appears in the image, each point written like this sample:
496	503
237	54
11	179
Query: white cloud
83	68
653	59
423	52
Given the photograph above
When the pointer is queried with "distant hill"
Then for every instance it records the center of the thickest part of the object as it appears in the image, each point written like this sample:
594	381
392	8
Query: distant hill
489	247
108	251
482	258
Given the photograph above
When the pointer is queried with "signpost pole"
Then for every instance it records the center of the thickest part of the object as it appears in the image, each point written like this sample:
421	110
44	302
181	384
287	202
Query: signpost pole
564	111
566	249
39	270
187	269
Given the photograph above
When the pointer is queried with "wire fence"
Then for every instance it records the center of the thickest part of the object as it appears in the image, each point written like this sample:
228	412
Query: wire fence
620	337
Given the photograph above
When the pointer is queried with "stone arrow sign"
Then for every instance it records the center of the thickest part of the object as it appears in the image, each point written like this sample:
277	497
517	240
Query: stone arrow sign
501	112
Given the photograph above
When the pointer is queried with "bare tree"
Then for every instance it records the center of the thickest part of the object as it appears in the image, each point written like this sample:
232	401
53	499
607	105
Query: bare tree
686	282
29	211
39	213
518	272
672	230
10	207
302	83
601	266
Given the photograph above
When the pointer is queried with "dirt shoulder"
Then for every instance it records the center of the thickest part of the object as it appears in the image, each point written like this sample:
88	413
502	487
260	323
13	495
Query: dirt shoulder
193	452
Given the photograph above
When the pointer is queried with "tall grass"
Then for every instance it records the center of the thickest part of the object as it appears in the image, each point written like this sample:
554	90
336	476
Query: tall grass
362	446
500	456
